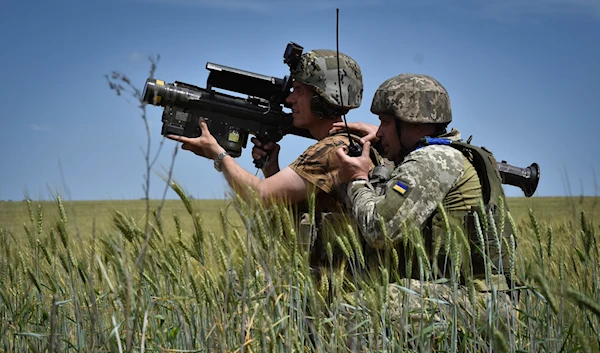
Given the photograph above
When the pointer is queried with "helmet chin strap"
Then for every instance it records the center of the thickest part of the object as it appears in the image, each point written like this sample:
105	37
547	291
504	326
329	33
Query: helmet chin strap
404	150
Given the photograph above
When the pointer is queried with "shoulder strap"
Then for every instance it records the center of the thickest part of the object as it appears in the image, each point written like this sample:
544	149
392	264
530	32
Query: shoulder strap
486	166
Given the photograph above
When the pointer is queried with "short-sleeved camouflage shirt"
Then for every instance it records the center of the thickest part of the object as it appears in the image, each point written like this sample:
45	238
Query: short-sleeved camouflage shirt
319	165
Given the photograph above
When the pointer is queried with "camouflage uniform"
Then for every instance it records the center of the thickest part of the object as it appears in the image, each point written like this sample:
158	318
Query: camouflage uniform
429	176
418	315
319	166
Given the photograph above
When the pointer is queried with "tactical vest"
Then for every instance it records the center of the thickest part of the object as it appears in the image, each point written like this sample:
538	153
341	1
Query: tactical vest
495	240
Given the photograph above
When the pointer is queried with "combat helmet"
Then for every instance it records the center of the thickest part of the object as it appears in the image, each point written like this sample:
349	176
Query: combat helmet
413	98
318	69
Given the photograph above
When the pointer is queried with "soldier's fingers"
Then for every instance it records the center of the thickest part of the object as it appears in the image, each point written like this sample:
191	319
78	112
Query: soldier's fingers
203	126
366	149
270	145
178	138
342	153
256	141
257	152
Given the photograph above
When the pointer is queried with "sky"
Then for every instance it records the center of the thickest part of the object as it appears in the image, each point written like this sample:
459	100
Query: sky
523	79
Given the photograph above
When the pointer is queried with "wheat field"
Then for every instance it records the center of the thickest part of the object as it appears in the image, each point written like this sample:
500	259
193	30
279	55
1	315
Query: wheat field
231	276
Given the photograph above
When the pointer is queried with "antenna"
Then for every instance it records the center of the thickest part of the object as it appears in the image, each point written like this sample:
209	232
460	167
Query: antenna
354	150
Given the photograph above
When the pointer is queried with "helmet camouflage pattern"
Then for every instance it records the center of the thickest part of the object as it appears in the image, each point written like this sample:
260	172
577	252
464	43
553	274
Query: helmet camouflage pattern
318	69
413	98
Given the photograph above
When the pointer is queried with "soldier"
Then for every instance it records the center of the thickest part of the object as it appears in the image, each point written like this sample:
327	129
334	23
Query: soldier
317	103
431	175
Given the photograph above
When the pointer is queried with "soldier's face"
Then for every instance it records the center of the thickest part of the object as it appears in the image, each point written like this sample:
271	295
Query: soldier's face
388	137
300	100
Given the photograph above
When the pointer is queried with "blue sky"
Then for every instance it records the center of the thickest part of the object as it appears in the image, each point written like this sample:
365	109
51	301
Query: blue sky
522	75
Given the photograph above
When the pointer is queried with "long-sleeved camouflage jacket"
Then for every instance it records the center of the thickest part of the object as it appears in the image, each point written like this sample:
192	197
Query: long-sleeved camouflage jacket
424	179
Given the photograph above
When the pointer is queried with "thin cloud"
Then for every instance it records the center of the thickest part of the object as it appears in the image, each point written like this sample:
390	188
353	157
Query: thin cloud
39	127
509	8
136	57
533	10
264	6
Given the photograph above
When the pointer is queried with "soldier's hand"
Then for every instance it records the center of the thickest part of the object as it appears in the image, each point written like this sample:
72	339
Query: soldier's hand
367	131
352	168
267	149
205	145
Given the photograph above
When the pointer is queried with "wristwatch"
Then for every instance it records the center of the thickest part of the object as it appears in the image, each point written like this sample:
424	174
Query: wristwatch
219	159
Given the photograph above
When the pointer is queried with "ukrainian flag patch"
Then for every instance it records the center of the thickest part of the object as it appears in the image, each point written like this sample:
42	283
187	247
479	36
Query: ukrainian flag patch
401	188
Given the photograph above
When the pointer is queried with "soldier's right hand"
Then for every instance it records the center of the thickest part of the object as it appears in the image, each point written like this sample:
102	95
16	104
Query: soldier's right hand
352	168
269	149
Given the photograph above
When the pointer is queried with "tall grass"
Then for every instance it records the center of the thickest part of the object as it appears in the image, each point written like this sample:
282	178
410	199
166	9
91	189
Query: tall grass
247	287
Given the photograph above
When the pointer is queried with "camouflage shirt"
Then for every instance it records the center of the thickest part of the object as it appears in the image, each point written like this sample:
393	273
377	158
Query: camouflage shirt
412	194
319	166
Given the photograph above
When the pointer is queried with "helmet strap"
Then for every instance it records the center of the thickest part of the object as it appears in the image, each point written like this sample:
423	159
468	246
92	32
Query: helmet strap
322	109
404	150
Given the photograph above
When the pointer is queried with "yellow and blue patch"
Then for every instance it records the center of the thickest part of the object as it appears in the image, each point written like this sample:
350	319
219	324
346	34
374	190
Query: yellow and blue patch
401	188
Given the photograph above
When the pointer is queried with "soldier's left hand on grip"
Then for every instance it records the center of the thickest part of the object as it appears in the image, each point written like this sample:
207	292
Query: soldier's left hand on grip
264	152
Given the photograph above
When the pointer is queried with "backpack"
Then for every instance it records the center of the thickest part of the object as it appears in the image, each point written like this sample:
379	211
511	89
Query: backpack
491	183
484	162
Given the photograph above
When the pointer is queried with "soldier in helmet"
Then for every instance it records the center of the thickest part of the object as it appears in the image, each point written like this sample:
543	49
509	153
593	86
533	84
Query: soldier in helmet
317	102
433	168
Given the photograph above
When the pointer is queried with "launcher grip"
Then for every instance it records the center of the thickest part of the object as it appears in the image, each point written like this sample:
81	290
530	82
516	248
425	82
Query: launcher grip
260	163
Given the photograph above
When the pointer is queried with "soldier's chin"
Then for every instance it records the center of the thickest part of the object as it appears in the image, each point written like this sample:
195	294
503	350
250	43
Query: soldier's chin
298	121
390	154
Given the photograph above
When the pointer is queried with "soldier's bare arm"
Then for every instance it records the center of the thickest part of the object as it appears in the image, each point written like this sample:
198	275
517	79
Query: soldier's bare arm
284	185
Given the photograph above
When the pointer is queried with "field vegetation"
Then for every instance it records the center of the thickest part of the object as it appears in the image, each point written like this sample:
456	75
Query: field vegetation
230	276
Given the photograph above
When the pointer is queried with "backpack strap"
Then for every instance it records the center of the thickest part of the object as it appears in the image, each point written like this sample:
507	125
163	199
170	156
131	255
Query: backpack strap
484	162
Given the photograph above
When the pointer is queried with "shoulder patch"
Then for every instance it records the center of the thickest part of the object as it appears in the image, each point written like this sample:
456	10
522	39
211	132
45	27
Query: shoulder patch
401	188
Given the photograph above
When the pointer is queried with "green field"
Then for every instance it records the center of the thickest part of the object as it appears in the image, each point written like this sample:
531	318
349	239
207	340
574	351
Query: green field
207	276
83	215
87	216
